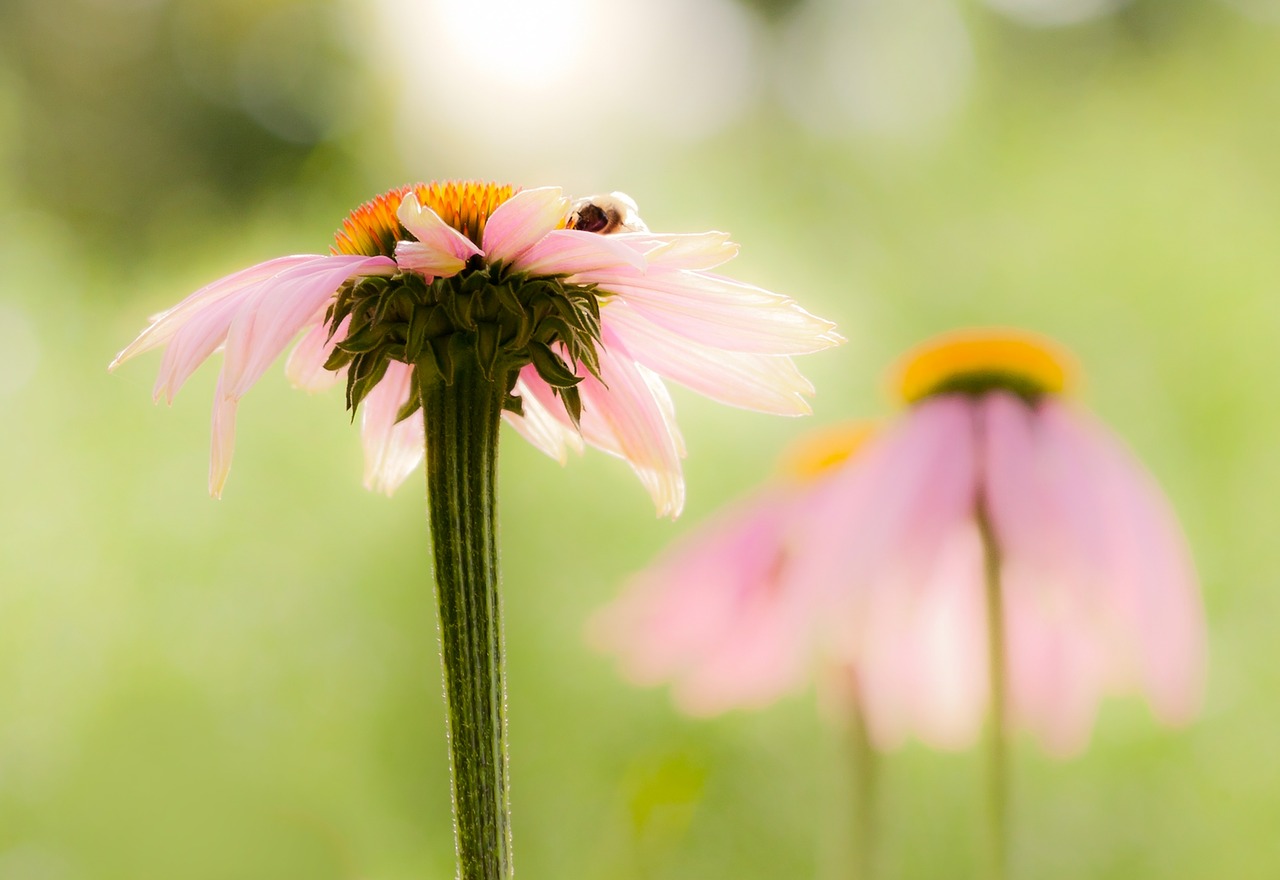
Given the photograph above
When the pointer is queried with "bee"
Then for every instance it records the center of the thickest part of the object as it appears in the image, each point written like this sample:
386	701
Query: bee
615	212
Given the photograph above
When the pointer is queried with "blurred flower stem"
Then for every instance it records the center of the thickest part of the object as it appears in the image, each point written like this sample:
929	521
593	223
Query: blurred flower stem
997	746
866	788
462	414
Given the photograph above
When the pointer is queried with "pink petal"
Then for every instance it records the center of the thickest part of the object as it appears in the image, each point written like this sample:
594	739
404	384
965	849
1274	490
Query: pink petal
551	435
884	515
700	250
305	366
1150	581
758	382
392	450
278	309
167	323
923	669
521	221
712	613
1056	668
717	312
224	439
572	252
628	413
440	250
190	345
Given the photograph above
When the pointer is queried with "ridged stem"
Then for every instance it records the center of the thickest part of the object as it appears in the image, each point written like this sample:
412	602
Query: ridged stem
461	420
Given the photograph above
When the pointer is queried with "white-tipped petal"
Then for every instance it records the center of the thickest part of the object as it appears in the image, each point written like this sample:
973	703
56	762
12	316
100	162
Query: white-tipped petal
276	311
697	250
164	325
764	383
440	250
718	312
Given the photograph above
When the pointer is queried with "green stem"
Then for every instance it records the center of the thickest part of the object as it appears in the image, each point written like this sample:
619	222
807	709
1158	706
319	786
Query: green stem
866	786
461	420
997	738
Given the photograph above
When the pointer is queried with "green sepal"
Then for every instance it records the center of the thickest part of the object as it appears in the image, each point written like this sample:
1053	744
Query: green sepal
572	405
366	371
458	308
414	403
549	366
438	350
366	339
488	339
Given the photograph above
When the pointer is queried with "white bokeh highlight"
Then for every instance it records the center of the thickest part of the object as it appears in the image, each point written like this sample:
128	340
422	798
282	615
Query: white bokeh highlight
895	69
492	78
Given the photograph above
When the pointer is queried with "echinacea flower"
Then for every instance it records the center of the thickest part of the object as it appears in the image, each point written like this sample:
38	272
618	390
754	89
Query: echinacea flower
474	302
993	496
588	306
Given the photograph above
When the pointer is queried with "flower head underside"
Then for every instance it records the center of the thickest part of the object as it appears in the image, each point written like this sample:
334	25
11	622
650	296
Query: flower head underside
576	306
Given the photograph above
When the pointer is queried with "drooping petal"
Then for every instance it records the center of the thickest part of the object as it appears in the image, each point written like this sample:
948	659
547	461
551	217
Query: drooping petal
1056	666
305	365
923	667
627	412
275	311
883	516
392	450
521	221
164	325
551	435
223	439
712	615
440	250
1148	578
190	345
765	383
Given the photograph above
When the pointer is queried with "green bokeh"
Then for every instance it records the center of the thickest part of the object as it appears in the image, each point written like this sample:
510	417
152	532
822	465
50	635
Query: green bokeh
250	688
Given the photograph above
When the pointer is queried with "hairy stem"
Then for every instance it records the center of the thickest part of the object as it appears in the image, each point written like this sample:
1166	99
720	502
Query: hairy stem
461	420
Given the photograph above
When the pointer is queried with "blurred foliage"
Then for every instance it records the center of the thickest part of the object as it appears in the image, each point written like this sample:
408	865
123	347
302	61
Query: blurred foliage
250	689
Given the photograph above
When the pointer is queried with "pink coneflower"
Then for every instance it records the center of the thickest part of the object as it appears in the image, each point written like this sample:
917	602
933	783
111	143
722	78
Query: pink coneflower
474	302
996	497
596	307
877	565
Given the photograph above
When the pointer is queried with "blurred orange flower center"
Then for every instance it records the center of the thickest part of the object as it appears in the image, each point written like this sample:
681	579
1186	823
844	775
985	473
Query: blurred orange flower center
980	360
373	229
819	451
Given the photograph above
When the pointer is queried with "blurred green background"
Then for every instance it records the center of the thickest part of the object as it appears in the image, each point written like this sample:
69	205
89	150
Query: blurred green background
250	688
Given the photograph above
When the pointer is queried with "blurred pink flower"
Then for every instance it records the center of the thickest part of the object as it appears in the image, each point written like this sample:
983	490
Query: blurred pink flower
662	314
876	567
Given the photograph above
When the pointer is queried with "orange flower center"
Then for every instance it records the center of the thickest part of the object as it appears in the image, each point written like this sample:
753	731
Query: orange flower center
973	361
820	450
373	229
